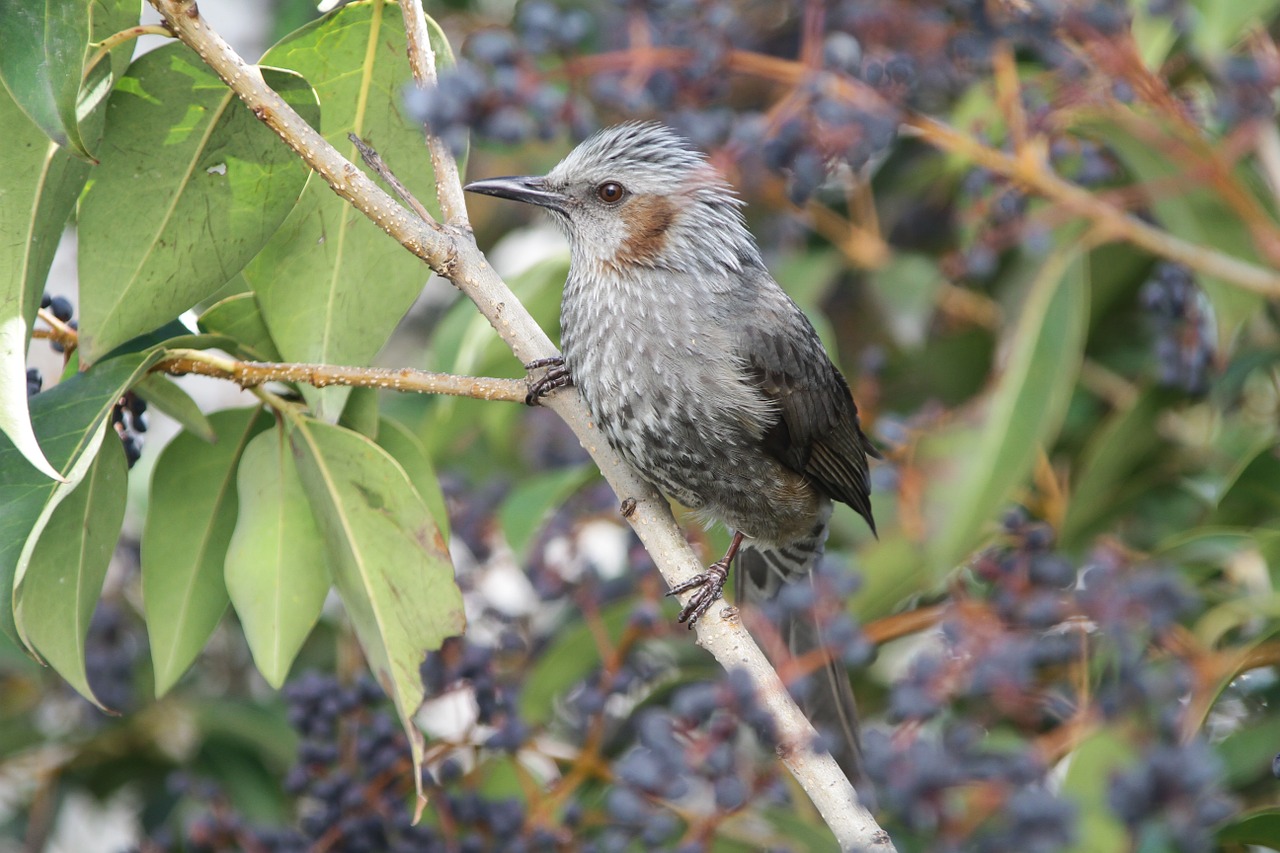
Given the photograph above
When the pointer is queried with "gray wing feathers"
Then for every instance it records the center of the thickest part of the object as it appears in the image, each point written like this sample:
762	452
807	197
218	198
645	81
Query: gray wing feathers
817	432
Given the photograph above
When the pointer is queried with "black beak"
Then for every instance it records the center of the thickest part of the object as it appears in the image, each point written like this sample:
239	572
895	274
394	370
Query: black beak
527	190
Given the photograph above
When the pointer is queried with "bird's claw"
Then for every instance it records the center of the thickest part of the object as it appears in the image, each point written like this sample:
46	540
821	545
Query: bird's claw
557	376
710	585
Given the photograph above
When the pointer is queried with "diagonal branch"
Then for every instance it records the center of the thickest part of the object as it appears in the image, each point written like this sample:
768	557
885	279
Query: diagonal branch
1113	222
451	251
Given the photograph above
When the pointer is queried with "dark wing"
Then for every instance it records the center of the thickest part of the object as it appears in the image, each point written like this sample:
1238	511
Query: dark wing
818	433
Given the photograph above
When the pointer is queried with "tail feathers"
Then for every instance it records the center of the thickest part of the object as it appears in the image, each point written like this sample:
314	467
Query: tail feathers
763	573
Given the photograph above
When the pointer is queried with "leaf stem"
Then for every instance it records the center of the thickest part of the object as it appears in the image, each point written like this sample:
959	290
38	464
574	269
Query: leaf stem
114	40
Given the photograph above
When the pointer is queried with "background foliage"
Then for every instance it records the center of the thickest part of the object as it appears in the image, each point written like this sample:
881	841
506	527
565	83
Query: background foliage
1040	240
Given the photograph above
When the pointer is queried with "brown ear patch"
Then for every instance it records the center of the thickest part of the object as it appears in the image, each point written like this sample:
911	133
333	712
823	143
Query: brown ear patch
648	217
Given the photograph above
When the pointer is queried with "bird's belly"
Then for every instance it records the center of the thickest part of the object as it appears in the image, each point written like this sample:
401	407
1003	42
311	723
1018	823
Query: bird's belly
691	427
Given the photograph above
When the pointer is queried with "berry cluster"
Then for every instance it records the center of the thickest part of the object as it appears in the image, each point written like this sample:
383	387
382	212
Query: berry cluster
1185	343
113	647
61	308
496	90
1005	660
129	420
1244	90
350	783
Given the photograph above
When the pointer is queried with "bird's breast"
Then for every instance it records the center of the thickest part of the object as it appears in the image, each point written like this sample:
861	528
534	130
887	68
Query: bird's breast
665	387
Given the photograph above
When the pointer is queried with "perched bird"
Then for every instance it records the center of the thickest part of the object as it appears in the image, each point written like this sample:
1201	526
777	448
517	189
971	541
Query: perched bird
700	371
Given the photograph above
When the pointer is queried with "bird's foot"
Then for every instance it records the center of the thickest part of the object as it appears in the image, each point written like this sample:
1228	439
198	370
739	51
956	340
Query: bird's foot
710	585
557	376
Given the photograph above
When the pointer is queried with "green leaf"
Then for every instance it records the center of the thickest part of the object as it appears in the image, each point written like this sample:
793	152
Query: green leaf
190	519
1023	414
533	500
387	557
164	394
237	317
571	657
1088	773
361	412
69	420
1125	442
1248	495
1260	827
1217	26
275	570
40	187
1247	752
331	285
172	335
908	287
396	438
69	563
1154	36
201	182
465	343
42	60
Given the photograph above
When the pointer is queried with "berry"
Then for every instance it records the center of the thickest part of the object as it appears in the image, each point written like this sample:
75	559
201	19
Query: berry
61	308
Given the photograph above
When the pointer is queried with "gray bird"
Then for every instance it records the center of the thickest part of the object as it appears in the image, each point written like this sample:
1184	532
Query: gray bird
700	371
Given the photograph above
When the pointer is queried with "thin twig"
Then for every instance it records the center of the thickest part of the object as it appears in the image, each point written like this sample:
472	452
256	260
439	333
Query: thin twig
249	374
374	161
1115	224
422	63
114	40
453	254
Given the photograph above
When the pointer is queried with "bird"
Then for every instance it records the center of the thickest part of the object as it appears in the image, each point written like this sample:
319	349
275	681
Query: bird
701	372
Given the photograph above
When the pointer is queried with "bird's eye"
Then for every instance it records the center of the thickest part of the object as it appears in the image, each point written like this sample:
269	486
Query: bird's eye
610	192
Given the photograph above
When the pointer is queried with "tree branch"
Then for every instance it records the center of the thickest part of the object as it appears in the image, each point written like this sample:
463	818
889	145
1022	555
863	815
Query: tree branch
422	62
1113	222
451	251
249	374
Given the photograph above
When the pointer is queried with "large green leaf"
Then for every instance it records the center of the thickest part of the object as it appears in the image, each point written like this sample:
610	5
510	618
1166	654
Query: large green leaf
331	285
1260	827
275	570
201	183
69	420
41	61
387	557
64	576
395	438
1024	411
41	184
190	519
40	187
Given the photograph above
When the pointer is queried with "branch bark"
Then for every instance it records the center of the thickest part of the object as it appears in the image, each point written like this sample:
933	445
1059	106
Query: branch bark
450	250
250	374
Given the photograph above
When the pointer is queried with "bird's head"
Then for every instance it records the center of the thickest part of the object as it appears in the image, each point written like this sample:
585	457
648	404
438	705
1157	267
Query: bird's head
638	196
